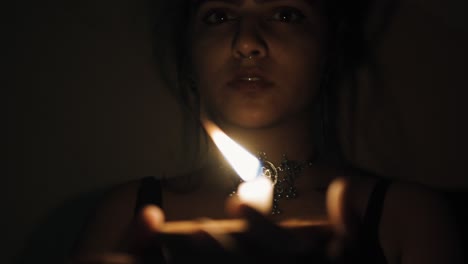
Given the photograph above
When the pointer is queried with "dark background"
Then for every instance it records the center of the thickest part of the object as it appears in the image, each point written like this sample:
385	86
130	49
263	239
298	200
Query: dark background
86	111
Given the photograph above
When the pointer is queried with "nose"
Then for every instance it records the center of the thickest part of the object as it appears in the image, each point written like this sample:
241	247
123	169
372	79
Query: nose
248	42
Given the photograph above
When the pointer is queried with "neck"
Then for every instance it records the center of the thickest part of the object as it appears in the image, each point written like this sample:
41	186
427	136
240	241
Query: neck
293	139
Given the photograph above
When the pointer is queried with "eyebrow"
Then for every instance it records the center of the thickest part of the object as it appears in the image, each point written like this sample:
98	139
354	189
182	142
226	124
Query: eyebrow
197	3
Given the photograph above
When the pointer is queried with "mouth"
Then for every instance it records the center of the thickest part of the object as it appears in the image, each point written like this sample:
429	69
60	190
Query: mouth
249	81
251	84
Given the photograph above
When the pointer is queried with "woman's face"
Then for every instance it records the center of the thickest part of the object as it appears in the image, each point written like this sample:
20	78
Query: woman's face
255	62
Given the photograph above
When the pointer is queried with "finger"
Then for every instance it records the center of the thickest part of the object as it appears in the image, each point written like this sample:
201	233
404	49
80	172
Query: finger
261	231
237	209
152	218
267	240
343	218
233	206
255	219
146	225
106	258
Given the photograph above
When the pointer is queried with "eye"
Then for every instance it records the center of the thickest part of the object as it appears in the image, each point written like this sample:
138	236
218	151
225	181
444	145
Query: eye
217	16
288	15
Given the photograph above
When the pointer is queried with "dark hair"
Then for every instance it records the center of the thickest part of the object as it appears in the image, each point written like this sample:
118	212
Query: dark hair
345	47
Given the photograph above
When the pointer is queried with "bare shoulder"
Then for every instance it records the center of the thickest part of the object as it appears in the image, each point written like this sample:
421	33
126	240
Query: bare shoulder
420	225
110	220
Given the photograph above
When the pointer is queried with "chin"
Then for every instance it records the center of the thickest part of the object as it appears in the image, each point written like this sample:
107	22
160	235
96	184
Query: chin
252	120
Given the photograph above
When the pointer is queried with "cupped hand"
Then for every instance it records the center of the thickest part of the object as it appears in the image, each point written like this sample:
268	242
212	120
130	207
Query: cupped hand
105	258
263	242
267	242
138	247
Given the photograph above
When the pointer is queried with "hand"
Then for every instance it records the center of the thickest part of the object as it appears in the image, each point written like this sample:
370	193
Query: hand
139	242
344	222
106	258
265	241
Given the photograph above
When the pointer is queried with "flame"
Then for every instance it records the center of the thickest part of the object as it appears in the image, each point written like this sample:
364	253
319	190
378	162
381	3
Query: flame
246	165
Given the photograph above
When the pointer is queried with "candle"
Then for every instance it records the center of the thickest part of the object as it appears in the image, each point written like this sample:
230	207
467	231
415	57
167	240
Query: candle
257	193
256	190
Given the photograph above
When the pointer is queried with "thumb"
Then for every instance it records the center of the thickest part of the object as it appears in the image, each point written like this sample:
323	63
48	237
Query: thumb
146	225
343	217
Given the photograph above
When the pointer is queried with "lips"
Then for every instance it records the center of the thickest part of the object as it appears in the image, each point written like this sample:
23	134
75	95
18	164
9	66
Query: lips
249	81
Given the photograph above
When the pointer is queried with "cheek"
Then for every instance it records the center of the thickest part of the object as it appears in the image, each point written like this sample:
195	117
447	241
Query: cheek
210	68
209	53
303	67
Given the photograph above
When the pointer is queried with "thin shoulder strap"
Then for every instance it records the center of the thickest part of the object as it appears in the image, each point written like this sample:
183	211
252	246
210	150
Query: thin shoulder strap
372	219
149	192
375	204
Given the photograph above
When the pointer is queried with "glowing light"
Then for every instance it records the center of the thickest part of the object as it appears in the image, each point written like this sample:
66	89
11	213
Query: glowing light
246	165
256	190
257	193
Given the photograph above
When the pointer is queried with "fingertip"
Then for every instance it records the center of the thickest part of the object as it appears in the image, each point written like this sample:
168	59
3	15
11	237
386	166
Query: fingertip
237	209
153	217
233	207
335	204
114	258
248	211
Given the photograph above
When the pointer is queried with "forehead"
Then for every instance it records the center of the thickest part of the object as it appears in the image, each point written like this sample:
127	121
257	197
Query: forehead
240	2
237	2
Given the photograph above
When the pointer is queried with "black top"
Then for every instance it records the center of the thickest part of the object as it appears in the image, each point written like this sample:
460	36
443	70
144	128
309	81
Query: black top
149	192
370	250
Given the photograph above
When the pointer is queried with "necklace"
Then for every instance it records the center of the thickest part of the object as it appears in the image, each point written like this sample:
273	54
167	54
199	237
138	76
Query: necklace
283	177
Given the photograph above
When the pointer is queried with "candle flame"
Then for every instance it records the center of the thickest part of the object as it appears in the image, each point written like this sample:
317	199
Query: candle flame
246	165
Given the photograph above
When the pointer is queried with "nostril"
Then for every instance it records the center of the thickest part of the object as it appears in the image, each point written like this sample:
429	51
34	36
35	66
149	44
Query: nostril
249	45
249	55
254	53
